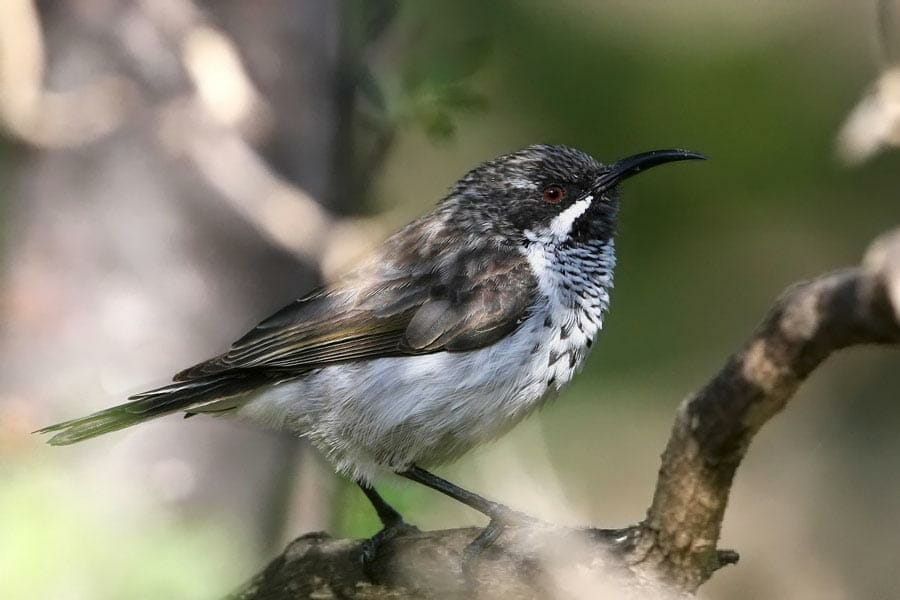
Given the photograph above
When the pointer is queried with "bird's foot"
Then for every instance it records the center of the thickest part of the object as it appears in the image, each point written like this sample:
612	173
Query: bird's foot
501	519
372	546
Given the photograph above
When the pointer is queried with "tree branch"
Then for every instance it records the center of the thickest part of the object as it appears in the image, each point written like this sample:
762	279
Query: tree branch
674	550
713	428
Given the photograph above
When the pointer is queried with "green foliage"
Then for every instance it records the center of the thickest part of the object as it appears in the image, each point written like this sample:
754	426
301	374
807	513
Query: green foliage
429	82
437	82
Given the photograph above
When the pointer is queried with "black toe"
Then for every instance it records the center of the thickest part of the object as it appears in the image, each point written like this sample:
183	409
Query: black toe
371	547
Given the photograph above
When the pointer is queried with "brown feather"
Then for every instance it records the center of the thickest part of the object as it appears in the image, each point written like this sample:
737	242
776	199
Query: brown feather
400	302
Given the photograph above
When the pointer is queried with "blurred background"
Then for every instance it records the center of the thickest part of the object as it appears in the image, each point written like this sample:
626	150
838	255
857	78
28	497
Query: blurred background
173	170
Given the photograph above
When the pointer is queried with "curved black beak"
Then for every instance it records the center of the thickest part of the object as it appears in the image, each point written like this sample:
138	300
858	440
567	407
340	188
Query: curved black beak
625	168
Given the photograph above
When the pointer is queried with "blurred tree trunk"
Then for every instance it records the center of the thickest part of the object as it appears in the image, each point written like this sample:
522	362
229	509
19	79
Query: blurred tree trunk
127	261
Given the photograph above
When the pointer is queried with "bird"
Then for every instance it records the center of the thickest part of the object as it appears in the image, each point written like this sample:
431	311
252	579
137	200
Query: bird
447	335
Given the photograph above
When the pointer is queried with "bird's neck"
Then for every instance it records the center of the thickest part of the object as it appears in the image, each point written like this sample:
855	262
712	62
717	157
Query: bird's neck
576	279
571	271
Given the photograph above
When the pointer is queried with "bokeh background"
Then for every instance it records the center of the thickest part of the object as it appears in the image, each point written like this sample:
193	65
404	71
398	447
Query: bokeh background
171	171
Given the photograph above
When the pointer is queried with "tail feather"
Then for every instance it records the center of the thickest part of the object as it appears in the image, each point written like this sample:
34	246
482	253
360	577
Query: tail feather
191	397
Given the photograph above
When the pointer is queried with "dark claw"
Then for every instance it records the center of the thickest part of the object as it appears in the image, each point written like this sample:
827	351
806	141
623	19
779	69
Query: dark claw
482	542
499	522
370	548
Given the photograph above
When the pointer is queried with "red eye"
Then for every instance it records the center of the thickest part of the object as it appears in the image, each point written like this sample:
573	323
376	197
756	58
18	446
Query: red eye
554	194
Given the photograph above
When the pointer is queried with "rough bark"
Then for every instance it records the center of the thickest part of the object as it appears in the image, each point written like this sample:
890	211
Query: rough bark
675	549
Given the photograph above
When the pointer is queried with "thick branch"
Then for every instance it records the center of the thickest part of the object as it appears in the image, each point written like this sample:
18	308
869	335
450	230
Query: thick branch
527	563
675	548
713	428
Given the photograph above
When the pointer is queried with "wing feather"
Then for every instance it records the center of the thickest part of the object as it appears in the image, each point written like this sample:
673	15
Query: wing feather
453	307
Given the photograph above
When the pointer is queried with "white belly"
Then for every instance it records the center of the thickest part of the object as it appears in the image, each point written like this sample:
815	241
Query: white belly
429	409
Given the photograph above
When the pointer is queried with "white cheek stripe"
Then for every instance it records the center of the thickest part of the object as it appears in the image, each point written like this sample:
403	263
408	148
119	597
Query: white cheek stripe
562	223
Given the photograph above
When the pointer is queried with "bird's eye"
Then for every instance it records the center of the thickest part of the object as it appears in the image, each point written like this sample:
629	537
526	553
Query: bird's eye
553	194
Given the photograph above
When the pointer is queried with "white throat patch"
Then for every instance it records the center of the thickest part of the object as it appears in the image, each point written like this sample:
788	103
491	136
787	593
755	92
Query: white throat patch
562	223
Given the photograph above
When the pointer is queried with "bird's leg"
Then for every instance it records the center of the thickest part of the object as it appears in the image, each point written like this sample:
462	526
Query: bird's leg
387	514
489	508
500	516
392	525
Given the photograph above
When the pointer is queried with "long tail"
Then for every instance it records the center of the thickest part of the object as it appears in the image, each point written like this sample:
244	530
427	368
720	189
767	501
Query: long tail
216	394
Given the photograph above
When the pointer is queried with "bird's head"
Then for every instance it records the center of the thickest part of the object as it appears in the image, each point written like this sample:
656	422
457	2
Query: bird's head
555	193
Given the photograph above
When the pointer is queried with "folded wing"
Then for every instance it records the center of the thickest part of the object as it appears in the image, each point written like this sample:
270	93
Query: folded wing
453	307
